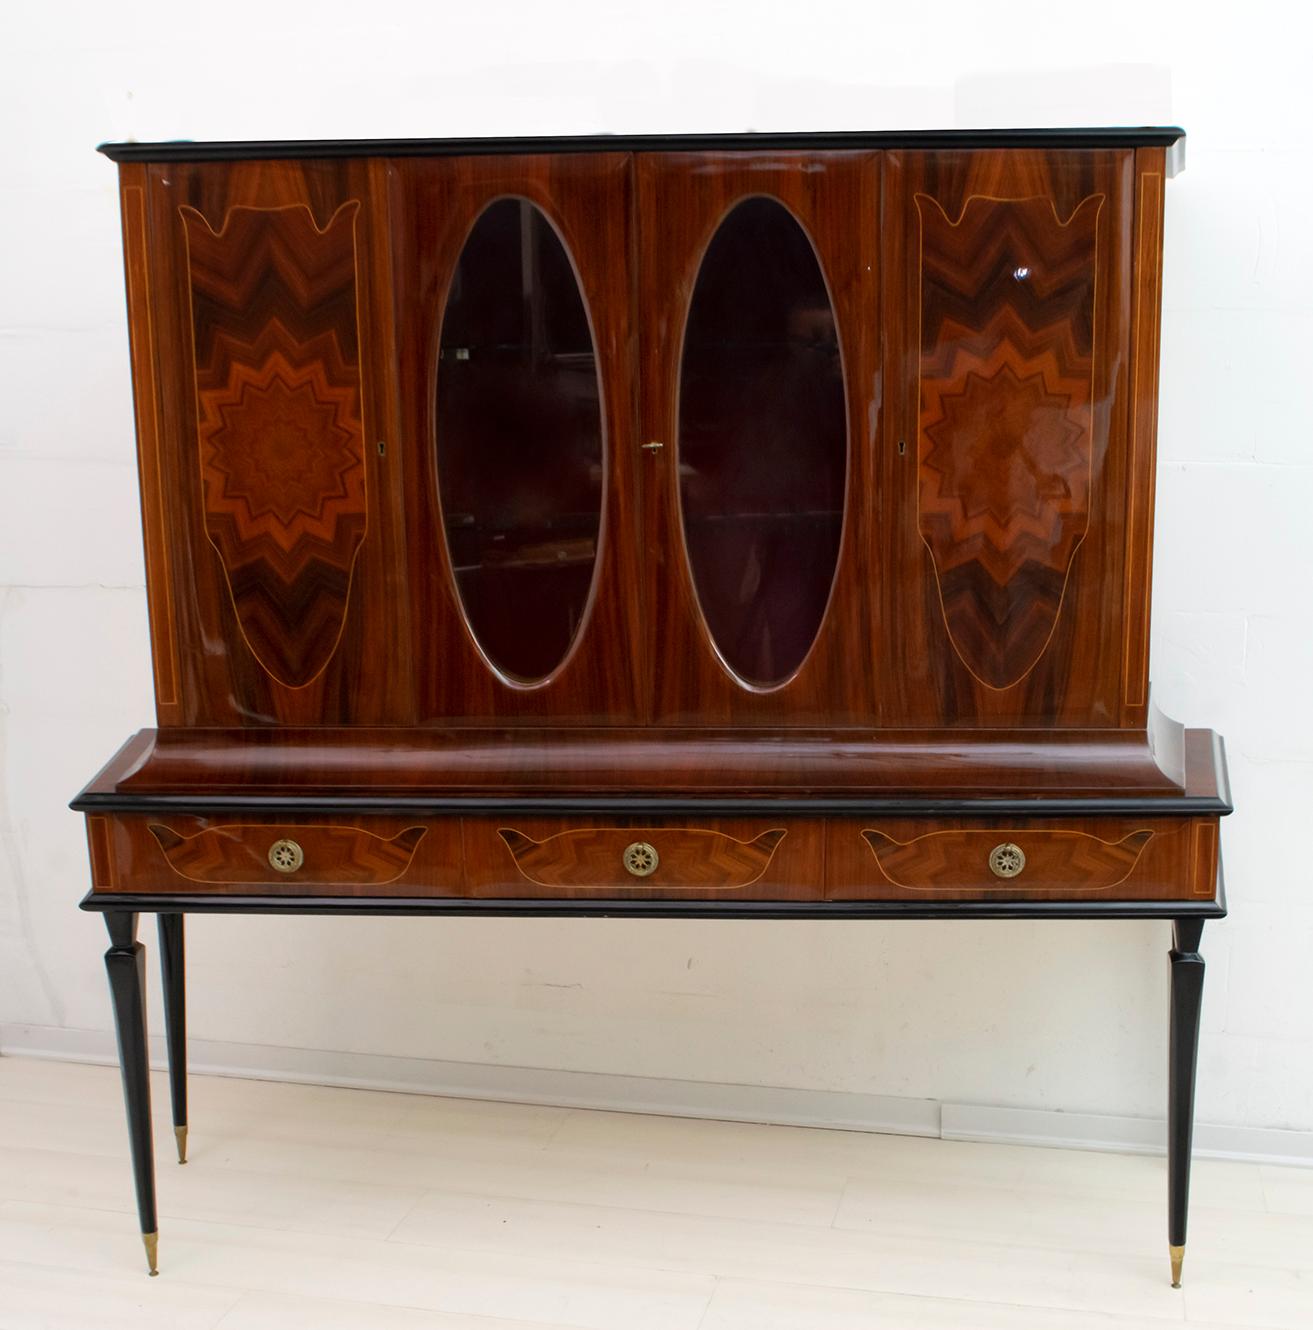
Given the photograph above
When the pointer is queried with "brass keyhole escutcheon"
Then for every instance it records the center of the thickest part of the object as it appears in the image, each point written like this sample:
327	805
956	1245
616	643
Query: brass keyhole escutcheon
641	859
286	856
1007	860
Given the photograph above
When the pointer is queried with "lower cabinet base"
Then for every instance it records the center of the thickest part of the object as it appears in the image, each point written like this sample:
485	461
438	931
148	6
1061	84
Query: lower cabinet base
125	963
784	859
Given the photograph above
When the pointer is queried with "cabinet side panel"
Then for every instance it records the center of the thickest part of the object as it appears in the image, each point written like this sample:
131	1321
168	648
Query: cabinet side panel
277	493
1006	333
142	347
1146	320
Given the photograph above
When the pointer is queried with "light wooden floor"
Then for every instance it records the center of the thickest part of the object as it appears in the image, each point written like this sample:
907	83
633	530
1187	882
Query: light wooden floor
323	1209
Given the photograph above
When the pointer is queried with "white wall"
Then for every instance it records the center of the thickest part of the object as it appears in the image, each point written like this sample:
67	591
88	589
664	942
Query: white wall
1043	1016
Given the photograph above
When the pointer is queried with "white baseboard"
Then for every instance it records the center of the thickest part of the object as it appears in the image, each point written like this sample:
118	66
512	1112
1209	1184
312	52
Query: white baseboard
675	1098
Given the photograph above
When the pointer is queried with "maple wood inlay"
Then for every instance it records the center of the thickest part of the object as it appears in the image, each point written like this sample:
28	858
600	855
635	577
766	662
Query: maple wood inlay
1053	860
240	853
278	400
688	858
1006	431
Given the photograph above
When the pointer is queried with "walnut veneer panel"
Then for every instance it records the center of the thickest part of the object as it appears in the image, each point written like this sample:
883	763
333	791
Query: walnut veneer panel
759	859
435	204
260	309
1084	859
1006	465
229	855
682	202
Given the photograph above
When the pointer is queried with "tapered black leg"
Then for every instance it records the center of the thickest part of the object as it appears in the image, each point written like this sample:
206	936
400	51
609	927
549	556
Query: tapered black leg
1187	998
126	963
174	972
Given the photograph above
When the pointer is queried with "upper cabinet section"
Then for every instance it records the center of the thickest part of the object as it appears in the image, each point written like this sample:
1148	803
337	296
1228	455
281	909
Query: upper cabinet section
519	440
779	435
762	442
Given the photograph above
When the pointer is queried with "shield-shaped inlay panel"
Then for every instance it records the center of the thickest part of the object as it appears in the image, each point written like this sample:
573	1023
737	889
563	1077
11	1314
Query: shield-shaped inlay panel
274	324
1007	300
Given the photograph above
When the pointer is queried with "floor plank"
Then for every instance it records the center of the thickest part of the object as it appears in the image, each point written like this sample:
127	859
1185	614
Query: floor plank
332	1208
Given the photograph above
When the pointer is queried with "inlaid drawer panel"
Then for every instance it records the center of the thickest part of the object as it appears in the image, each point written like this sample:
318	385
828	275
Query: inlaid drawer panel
1022	858
322	857
516	857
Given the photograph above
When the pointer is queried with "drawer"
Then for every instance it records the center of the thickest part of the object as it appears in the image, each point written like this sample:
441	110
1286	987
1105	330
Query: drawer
1025	858
348	856
781	860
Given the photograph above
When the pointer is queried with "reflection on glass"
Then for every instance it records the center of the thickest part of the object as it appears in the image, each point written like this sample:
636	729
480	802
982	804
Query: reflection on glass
519	440
762	441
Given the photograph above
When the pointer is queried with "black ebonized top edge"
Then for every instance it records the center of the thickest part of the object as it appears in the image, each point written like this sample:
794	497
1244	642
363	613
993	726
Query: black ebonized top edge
205	805
183	150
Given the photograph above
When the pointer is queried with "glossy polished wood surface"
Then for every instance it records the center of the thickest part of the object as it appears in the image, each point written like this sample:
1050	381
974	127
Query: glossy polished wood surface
707	858
1005	466
828	196
765	482
435	206
1088	859
574	767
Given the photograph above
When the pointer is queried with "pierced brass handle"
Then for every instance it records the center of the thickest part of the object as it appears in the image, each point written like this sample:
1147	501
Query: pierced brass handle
641	859
286	856
1007	860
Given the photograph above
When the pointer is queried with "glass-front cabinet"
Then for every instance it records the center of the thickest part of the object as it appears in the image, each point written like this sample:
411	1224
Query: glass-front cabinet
745	438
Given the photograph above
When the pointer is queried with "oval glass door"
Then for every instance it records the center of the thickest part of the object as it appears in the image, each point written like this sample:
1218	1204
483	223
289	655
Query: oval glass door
519	440
763	442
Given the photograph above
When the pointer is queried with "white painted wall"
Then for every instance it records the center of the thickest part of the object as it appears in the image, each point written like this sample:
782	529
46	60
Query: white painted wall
1028	1015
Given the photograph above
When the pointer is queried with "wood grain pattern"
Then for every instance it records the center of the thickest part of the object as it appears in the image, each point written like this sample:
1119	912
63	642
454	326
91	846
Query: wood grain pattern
144	351
703	858
592	859
228	855
1150	170
434	204
1056	860
1006	426
314	252
1003	464
570	764
274	313
1082	858
238	854
681	202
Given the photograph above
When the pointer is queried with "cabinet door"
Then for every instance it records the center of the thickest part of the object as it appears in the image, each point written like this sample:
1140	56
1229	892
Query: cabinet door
516	377
1008	358
258	307
760	392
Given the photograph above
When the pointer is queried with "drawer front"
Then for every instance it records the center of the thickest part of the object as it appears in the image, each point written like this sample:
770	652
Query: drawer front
314	857
1023	859
781	860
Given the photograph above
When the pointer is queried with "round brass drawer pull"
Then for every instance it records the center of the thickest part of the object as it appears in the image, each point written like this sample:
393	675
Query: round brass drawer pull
1007	860
641	859
286	856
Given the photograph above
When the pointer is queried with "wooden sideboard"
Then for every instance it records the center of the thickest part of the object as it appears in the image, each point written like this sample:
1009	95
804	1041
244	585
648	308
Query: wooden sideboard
744	526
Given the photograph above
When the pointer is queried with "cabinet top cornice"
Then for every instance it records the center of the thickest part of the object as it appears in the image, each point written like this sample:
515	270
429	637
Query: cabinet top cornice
181	150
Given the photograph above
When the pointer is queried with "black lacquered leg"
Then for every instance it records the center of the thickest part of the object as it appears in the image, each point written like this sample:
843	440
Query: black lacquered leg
1187	998
125	962
173	970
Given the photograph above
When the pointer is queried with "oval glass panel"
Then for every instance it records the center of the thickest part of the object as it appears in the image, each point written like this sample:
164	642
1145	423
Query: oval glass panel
519	440
763	441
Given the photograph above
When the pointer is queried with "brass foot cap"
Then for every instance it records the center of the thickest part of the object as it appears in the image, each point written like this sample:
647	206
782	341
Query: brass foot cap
181	1134
1178	1257
151	1241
